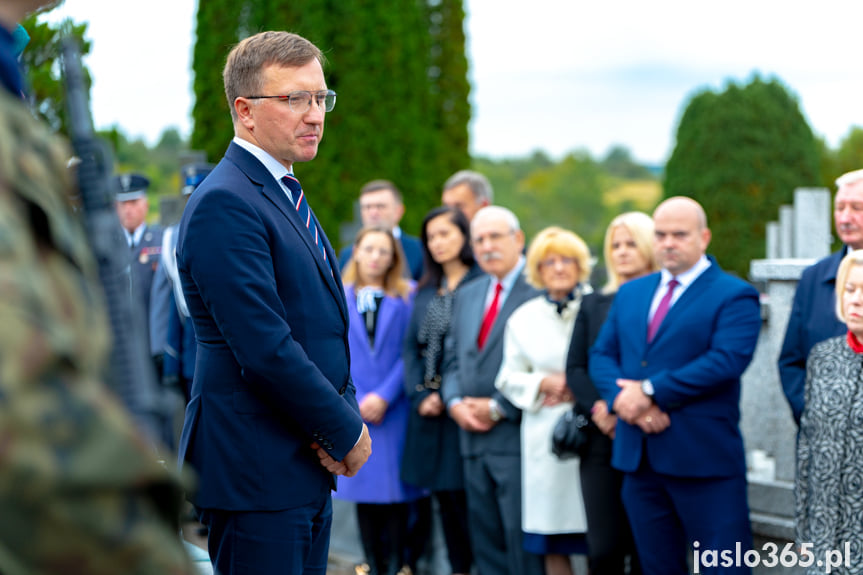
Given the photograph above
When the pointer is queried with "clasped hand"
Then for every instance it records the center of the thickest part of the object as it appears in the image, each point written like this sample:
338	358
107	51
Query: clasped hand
472	414
353	461
636	408
554	390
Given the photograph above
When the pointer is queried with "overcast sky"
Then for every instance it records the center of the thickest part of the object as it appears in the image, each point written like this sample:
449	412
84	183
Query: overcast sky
552	75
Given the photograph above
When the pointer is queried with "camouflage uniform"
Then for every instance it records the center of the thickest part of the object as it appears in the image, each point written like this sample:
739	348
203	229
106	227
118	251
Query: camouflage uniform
80	491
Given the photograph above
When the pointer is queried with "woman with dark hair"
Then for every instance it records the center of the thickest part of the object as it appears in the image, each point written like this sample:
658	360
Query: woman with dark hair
432	457
379	306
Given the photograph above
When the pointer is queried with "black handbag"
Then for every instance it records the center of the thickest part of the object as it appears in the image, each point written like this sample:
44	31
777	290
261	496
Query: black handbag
570	437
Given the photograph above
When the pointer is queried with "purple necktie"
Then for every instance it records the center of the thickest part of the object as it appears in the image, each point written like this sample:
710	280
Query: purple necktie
661	310
304	211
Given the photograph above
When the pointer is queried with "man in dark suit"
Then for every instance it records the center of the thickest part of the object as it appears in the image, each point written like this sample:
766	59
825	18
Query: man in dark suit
273	413
669	360
813	317
490	425
381	205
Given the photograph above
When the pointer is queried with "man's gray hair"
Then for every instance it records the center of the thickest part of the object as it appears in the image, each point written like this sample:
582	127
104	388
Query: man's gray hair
849	178
478	184
496	213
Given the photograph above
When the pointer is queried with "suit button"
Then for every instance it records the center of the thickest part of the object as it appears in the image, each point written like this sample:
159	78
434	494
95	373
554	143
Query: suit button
644	363
420	387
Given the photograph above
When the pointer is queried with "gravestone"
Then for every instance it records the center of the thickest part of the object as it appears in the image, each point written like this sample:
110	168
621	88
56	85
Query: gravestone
769	431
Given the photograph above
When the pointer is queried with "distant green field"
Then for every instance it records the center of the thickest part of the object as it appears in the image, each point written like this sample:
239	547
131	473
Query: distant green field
644	194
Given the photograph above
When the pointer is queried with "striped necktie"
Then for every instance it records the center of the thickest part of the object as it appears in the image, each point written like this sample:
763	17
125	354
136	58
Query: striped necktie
304	211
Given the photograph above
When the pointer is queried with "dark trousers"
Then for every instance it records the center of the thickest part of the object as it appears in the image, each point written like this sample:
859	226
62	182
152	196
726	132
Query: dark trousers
383	533
609	538
669	514
493	487
452	507
270	542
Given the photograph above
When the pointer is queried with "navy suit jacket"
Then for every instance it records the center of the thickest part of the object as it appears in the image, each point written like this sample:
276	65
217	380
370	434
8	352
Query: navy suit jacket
412	249
694	362
273	368
812	320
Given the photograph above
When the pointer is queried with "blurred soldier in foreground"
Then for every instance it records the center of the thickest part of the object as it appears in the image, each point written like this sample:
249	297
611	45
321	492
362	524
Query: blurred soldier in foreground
80	491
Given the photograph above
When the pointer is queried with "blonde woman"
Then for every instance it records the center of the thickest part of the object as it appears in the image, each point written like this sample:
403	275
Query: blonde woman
829	468
628	253
532	378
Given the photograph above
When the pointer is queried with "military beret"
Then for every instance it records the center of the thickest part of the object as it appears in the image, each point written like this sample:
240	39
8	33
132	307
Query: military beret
193	175
130	187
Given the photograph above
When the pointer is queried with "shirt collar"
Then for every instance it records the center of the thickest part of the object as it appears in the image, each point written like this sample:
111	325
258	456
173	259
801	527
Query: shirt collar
509	279
686	278
270	163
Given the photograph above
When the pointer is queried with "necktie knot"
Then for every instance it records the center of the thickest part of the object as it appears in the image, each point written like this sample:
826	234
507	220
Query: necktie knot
292	184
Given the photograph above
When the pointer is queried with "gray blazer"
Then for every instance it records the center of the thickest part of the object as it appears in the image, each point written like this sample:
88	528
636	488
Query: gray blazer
467	371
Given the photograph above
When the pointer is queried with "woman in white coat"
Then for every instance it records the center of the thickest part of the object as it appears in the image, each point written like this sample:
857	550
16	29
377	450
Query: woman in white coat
532	378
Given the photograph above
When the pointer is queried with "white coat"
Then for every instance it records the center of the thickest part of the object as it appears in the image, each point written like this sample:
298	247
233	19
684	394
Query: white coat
535	345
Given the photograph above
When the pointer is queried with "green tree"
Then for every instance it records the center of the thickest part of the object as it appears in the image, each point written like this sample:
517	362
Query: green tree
41	63
741	153
542	193
618	162
849	155
401	74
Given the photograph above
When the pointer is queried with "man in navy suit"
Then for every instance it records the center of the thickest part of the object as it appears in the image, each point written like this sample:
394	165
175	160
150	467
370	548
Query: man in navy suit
669	360
272	415
813	317
381	205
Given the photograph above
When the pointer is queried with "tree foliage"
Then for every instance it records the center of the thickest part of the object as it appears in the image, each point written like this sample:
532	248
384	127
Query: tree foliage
400	71
42	66
846	158
571	193
741	153
618	162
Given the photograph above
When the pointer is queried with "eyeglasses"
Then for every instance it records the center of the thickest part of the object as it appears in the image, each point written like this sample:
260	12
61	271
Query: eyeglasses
551	262
300	101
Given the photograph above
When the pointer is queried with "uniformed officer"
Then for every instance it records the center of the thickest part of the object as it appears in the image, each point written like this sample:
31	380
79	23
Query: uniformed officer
145	246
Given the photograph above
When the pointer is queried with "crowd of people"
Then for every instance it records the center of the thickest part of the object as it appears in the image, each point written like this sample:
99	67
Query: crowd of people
408	375
466	346
503	341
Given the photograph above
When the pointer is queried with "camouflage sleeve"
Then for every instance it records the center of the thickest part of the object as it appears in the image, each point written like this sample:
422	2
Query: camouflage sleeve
80	491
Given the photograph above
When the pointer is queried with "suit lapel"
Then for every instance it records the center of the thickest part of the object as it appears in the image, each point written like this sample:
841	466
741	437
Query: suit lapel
687	300
273	192
480	289
515	298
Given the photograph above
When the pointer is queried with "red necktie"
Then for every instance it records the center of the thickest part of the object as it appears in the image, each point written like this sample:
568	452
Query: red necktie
661	310
490	315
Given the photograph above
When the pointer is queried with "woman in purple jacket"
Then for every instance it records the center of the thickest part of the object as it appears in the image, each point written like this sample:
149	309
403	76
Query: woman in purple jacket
379	304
